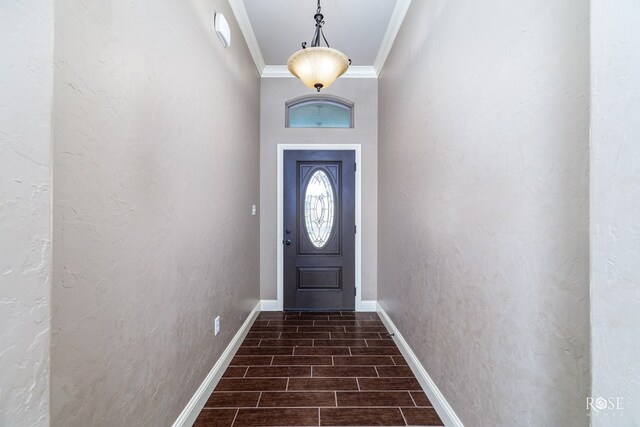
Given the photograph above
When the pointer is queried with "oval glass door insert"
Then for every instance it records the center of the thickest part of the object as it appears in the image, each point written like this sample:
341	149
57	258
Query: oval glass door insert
319	208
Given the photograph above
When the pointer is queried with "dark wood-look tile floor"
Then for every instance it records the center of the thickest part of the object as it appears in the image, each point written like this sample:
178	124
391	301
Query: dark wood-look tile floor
318	369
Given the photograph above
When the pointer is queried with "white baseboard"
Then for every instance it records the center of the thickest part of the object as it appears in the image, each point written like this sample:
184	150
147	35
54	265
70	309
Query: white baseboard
272	305
367	305
440	404
199	399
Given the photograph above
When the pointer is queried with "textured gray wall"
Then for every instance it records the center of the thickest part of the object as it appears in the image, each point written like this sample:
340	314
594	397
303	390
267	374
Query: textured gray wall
26	73
274	93
483	204
615	210
156	166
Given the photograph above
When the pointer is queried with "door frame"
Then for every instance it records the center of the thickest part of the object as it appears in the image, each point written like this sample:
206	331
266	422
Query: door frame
280	217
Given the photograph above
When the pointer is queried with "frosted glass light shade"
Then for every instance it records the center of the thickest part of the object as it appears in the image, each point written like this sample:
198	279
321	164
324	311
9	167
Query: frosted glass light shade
318	66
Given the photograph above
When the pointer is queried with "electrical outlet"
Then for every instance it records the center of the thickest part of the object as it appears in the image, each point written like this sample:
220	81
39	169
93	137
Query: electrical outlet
217	325
254	210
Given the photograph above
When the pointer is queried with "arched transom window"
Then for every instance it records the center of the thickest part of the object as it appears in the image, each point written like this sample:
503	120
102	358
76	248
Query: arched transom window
319	111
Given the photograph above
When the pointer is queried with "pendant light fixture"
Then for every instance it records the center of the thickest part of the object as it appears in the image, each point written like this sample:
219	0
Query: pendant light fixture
318	66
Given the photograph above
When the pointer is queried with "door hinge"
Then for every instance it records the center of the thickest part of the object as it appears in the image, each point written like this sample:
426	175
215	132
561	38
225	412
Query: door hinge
355	167
355	290
355	230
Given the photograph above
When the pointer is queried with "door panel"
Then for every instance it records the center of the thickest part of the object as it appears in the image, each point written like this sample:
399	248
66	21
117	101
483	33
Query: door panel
319	225
319	278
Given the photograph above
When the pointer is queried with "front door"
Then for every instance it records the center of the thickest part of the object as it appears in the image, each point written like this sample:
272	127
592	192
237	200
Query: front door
319	230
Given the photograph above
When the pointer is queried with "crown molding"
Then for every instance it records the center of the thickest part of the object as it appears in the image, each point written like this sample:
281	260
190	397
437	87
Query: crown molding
242	17
276	71
360	72
397	17
354	72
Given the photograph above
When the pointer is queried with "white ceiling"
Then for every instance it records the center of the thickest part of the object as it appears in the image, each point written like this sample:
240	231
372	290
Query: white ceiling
355	27
364	30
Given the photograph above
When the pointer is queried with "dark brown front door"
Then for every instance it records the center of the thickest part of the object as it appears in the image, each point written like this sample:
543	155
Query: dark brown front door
319	230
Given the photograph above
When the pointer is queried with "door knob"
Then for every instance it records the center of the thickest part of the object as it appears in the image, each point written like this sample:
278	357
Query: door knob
287	242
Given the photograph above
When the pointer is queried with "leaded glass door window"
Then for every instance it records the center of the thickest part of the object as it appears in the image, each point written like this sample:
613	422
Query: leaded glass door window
319	208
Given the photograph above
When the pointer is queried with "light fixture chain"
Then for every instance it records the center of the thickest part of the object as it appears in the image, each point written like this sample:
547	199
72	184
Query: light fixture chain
315	42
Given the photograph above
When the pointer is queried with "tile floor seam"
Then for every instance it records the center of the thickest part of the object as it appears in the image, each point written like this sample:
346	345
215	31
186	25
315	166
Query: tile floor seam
234	417
403	417
414	401
213	408
319	390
